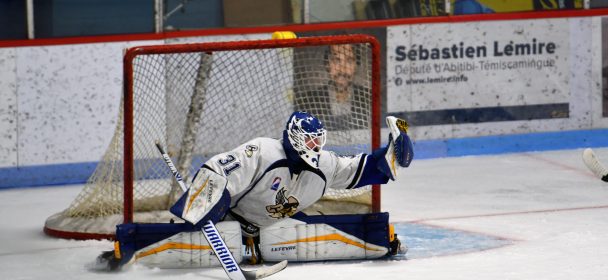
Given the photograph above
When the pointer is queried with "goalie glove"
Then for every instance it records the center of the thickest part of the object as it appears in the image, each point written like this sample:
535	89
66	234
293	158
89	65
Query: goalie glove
398	152
206	199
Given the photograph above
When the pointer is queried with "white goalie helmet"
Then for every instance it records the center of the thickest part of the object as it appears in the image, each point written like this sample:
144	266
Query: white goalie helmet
307	136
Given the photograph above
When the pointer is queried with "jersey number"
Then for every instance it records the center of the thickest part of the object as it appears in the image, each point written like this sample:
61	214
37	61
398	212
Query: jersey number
229	164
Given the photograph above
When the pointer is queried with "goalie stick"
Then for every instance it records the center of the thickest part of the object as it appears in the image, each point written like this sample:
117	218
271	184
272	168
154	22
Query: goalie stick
595	165
229	264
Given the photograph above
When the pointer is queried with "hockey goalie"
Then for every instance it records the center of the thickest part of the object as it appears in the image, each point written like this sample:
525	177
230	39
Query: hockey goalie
255	194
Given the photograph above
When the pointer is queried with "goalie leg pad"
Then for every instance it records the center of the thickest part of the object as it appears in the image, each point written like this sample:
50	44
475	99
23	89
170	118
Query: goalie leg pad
133	237
175	245
327	237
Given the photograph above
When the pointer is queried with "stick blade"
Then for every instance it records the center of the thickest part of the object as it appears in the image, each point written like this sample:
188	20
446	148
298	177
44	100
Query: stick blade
594	164
264	271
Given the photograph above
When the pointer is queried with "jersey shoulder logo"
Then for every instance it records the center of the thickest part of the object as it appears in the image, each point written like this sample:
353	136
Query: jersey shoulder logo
284	207
249	149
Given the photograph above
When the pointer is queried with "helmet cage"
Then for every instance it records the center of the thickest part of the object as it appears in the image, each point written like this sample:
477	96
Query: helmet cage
308	144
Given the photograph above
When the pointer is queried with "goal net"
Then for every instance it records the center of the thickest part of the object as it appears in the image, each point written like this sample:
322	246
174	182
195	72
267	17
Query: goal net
198	100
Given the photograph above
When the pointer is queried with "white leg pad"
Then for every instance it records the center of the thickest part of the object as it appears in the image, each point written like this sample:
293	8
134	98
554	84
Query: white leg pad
295	240
191	249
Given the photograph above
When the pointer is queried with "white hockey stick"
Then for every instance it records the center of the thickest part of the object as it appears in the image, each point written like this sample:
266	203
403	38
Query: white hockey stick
231	267
594	164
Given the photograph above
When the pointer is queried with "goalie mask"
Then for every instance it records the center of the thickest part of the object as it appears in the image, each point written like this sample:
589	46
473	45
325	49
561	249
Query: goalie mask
307	136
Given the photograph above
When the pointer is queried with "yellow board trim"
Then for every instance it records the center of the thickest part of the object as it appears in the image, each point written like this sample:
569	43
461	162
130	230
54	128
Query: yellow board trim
329	237
195	195
172	246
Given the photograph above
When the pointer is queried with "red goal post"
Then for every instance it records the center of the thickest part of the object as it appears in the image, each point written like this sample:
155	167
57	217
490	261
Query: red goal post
204	98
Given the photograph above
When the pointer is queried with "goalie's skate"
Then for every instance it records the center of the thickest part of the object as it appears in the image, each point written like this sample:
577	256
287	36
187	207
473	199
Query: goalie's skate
107	261
397	248
114	260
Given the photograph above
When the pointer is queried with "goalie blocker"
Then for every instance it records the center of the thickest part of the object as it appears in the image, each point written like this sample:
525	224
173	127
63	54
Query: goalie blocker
301	238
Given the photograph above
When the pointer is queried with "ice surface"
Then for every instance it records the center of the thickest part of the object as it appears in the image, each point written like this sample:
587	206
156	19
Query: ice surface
547	212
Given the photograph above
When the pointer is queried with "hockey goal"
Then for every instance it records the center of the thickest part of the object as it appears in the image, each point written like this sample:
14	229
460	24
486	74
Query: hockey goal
198	100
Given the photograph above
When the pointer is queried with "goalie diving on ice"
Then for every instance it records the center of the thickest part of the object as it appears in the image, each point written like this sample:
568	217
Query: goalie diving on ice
255	194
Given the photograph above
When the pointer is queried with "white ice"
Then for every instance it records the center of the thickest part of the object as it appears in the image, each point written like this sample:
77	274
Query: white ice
548	204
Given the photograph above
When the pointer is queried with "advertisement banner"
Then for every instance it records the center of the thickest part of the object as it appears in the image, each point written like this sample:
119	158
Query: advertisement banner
493	6
479	71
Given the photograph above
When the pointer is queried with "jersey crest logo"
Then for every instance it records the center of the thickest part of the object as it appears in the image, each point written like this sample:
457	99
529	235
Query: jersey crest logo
249	149
276	183
284	207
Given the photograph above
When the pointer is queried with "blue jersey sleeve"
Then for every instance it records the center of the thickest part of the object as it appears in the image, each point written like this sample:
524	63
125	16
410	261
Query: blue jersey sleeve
371	174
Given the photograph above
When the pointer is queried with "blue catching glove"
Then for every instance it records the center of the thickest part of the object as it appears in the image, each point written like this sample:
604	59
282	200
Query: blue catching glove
404	150
399	152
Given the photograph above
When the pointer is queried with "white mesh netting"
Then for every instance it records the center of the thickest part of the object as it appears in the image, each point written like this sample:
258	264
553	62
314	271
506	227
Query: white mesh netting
199	103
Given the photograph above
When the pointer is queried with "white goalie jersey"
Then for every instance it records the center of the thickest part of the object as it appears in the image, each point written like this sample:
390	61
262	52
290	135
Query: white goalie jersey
262	188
